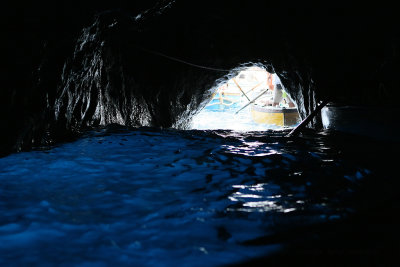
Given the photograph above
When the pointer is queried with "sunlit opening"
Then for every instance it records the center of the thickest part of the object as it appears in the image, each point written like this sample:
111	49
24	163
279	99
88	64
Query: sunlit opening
253	100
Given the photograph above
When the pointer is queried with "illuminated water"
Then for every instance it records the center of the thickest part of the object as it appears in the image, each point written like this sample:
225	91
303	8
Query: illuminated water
149	197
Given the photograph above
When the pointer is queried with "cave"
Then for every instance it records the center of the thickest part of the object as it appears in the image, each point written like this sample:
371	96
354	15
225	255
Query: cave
100	163
113	53
245	102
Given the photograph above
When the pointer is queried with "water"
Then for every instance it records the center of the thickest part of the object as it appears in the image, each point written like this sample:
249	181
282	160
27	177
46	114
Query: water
150	197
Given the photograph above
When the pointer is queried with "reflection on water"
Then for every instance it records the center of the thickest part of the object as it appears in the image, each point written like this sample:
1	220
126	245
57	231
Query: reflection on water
257	198
150	197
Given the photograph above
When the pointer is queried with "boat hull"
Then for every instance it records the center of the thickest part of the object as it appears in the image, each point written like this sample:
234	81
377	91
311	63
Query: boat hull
377	122
226	103
276	116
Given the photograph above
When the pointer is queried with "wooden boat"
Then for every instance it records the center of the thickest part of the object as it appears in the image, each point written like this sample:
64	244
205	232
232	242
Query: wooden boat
229	96
220	102
377	122
225	99
275	115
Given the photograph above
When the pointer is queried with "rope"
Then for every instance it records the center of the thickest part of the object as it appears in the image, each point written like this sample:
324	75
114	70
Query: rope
182	61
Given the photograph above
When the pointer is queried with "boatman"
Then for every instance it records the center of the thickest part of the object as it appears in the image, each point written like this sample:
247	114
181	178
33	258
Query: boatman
276	87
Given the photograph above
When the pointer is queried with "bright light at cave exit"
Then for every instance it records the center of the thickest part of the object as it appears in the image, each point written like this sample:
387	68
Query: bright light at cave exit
254	100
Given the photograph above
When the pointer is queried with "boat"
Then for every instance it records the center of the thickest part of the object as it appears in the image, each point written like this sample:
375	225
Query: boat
231	95
280	116
226	97
221	102
376	122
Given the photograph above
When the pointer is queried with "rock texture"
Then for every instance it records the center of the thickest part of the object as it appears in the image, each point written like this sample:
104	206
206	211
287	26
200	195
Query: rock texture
152	63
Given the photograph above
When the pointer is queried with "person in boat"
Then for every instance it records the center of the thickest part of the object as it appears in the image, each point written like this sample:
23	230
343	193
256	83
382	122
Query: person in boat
279	95
287	101
221	93
276	87
223	99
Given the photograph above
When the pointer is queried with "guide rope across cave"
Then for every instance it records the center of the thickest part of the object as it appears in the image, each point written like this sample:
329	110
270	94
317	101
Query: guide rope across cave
181	60
271	105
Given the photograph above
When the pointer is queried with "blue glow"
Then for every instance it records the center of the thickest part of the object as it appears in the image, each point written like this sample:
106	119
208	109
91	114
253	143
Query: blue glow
154	198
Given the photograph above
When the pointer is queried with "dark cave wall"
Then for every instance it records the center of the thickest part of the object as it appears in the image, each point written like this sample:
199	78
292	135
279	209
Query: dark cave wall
38	39
111	79
70	67
118	74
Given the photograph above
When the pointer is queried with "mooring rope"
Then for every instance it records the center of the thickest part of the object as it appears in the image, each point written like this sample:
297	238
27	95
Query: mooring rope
182	61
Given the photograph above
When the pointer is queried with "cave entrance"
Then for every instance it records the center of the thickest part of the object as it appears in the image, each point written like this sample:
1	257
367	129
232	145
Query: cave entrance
253	100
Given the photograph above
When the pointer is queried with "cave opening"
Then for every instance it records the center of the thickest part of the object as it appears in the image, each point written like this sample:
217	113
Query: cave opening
250	99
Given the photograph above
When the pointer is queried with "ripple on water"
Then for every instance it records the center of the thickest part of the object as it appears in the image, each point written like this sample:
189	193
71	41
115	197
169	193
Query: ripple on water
165	197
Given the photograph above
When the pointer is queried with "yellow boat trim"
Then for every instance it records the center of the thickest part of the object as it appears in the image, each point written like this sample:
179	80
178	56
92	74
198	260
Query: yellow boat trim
279	117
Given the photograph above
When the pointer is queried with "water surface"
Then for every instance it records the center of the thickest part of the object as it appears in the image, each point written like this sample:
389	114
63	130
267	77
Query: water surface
151	197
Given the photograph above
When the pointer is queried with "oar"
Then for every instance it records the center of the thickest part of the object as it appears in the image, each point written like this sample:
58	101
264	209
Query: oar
240	89
300	127
251	101
254	87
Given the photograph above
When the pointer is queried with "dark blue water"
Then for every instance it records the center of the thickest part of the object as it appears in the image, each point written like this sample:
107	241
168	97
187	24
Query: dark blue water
148	197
